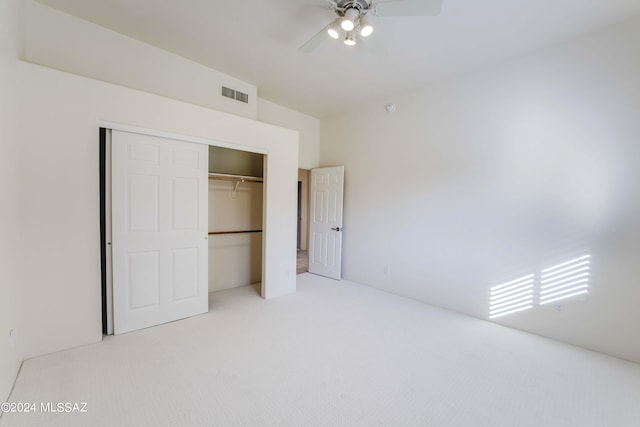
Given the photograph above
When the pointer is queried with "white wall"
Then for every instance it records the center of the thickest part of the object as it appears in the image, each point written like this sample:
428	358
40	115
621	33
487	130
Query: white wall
308	128
487	176
64	42
10	299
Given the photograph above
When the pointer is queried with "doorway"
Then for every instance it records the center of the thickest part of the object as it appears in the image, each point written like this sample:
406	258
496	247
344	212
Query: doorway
302	259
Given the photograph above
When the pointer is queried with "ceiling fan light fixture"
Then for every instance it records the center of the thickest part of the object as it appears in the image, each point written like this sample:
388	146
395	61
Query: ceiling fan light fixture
334	31
365	26
349	40
350	18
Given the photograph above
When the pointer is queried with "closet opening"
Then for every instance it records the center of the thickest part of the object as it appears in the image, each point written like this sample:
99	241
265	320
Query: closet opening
236	199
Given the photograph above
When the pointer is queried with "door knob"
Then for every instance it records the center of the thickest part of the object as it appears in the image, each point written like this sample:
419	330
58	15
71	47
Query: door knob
337	228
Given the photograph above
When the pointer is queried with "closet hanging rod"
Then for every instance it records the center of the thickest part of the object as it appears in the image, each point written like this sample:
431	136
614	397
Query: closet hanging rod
234	232
230	177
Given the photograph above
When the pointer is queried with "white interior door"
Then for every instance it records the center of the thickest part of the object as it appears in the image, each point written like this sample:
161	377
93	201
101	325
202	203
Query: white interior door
159	230
325	226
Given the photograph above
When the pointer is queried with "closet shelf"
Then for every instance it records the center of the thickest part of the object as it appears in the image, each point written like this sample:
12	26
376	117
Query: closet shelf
237	178
234	232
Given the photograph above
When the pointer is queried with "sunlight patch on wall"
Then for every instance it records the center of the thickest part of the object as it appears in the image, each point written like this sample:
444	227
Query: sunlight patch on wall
511	297
558	282
565	280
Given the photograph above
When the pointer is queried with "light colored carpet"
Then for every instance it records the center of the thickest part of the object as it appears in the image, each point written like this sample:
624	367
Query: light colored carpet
333	354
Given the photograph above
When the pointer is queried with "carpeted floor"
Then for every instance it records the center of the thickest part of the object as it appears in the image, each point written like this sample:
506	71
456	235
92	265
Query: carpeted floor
332	354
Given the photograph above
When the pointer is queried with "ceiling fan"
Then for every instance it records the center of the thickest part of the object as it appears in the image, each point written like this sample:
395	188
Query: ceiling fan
353	18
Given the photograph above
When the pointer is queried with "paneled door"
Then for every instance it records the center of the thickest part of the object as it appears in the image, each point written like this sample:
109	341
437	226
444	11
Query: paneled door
159	230
325	226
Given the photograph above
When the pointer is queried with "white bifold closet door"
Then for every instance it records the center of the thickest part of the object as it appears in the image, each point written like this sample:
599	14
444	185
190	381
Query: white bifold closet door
159	230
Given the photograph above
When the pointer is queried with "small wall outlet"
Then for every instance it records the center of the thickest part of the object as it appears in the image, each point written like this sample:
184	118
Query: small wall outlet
558	308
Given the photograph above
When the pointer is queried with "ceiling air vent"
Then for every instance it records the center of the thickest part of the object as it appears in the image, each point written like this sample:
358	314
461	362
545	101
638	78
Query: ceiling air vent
242	97
235	94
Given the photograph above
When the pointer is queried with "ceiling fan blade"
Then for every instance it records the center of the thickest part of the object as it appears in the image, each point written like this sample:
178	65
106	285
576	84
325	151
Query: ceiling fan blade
408	8
329	4
315	41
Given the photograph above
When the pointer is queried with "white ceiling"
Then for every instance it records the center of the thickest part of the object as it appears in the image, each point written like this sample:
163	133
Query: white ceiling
257	41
